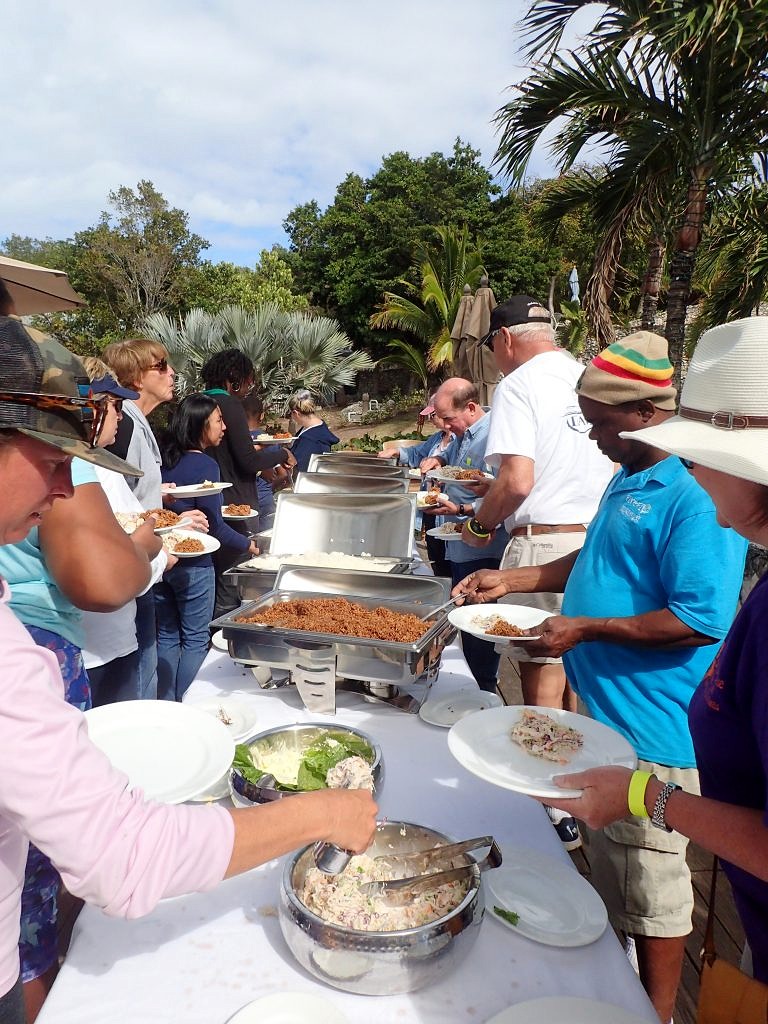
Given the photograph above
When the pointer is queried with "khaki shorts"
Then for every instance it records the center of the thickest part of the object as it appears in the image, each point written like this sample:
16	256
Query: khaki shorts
536	550
641	872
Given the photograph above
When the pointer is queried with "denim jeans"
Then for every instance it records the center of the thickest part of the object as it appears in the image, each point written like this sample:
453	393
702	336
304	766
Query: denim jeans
146	635
481	656
184	603
116	680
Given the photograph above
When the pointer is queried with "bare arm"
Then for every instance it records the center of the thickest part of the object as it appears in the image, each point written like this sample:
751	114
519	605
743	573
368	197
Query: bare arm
737	834
93	561
488	585
660	629
509	490
346	817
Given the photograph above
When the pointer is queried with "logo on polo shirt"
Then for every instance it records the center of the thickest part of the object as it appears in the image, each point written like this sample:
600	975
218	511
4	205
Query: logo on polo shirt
574	420
634	510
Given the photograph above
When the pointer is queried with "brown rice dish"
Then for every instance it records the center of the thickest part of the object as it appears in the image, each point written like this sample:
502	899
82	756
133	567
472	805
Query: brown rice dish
165	517
543	737
236	510
342	617
188	546
338	899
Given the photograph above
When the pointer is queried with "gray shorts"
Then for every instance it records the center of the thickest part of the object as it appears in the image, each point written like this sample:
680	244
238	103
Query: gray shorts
536	550
641	871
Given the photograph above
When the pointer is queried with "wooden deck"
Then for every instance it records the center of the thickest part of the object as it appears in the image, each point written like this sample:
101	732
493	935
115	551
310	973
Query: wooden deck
729	935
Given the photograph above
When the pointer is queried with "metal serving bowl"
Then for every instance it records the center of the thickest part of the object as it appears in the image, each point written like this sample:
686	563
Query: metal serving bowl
379	963
295	737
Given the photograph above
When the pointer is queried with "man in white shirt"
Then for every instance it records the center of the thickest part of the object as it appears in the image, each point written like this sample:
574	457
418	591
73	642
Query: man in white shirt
550	475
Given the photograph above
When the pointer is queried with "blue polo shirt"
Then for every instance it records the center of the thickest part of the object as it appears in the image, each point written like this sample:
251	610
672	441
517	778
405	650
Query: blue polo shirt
654	543
468	451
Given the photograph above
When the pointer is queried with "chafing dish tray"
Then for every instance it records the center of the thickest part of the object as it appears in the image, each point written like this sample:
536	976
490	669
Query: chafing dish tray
254	580
356	467
356	524
351	459
345	483
372	661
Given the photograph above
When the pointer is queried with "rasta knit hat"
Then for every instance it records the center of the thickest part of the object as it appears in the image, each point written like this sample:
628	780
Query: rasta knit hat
632	369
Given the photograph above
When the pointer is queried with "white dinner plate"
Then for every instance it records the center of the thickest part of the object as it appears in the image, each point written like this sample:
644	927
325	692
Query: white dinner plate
210	544
237	716
171	751
218	641
182	524
448	709
481	743
194	490
556	906
565	1010
421	501
448	478
289	1008
268	439
414	474
251	515
444	533
519	615
218	791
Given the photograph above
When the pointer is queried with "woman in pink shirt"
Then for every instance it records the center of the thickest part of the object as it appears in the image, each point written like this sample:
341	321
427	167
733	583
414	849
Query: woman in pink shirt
113	848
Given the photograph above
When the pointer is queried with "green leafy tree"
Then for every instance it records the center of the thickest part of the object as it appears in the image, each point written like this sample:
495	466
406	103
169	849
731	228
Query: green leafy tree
410	358
428	310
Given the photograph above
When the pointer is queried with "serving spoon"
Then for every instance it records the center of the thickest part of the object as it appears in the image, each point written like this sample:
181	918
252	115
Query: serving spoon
441	607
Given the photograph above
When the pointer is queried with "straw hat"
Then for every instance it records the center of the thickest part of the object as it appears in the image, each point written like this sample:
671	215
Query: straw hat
722	422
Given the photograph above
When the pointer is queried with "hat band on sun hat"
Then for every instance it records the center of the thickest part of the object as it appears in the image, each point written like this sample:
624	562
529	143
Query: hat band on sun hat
724	420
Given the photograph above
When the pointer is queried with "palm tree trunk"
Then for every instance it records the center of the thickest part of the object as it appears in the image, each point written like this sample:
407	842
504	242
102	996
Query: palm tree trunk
652	283
681	268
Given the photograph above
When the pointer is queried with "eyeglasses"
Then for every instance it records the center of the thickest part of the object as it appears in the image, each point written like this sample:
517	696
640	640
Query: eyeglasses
161	366
93	411
488	339
687	463
117	403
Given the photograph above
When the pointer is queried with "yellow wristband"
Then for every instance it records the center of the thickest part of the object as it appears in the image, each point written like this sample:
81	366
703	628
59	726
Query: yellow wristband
636	794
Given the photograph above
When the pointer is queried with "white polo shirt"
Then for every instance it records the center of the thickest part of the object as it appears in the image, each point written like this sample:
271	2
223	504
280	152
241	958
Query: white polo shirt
535	413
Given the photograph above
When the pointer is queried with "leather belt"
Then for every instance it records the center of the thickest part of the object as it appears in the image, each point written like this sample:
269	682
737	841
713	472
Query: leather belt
534	529
725	420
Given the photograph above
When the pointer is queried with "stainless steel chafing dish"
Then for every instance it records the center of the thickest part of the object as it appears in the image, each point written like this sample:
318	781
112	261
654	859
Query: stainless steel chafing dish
398	673
380	525
337	462
346	483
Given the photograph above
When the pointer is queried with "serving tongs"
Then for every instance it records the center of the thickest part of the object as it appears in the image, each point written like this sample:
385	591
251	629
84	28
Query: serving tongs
399	890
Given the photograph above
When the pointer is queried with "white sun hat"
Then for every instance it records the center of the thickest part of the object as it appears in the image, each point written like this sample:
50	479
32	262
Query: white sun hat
722	422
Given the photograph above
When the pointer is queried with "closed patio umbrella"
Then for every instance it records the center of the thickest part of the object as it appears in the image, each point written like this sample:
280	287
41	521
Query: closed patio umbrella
459	334
483	369
36	289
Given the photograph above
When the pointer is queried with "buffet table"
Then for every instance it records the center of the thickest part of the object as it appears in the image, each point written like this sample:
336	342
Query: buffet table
198	959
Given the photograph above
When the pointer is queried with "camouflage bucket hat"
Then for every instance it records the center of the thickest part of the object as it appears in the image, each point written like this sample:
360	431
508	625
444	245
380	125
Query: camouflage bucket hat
40	397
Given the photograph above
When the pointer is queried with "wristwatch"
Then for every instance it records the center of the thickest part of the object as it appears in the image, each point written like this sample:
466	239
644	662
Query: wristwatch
659	808
462	510
478	529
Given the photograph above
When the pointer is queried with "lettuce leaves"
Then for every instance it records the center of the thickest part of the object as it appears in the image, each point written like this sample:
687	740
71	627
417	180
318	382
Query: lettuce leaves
321	755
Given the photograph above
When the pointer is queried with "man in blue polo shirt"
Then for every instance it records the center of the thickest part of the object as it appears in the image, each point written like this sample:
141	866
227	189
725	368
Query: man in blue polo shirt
457	403
648	600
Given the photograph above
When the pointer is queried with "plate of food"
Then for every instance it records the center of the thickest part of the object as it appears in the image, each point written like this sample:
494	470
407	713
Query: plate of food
414	474
195	490
445	711
234	511
544	900
167	520
458	474
237	714
500	623
428	499
274	439
189	543
446	531
521	748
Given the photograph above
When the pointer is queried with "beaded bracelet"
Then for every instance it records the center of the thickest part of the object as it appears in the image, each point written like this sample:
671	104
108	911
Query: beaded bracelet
636	793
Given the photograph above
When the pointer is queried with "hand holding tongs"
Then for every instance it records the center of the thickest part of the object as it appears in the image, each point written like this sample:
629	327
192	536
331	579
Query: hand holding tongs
400	889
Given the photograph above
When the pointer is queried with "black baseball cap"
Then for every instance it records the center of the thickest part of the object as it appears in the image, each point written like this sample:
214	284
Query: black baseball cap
520	309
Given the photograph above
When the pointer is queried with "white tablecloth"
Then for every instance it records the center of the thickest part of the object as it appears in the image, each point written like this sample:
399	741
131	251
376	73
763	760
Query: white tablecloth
197	959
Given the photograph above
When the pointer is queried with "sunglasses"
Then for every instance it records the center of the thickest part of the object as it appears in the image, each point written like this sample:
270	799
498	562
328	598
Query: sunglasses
161	366
488	339
687	463
93	411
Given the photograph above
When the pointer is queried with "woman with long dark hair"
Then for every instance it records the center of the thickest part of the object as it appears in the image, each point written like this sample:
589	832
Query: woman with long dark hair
184	598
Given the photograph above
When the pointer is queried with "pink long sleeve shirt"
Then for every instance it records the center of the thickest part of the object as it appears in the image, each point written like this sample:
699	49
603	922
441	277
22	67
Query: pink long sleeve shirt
113	848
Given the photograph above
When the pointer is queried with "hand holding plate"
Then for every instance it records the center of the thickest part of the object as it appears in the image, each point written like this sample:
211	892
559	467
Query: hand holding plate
604	795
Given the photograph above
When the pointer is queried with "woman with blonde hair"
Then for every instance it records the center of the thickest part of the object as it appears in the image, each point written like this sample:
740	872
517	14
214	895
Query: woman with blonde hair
313	436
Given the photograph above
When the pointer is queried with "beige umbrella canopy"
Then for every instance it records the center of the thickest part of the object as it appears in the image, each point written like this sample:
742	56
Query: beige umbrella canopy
482	366
37	289
459	334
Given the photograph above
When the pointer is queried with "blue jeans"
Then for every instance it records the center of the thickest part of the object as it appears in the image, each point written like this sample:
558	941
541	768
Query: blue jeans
116	680
146	635
481	656
184	604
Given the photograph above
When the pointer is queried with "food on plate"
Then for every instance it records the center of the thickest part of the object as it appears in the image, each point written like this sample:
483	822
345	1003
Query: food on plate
223	717
340	616
338	899
129	521
432	497
263	437
165	517
206	485
332	559
187	546
237	510
507	915
282	435
332	760
542	736
461	473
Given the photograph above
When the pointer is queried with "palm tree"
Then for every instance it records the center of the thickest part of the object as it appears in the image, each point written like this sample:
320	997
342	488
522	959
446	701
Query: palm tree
443	270
685	78
410	358
289	351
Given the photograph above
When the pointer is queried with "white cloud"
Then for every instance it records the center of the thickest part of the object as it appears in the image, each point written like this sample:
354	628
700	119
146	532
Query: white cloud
237	110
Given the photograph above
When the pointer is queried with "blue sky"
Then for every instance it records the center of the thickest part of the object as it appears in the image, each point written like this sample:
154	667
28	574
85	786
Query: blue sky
237	110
